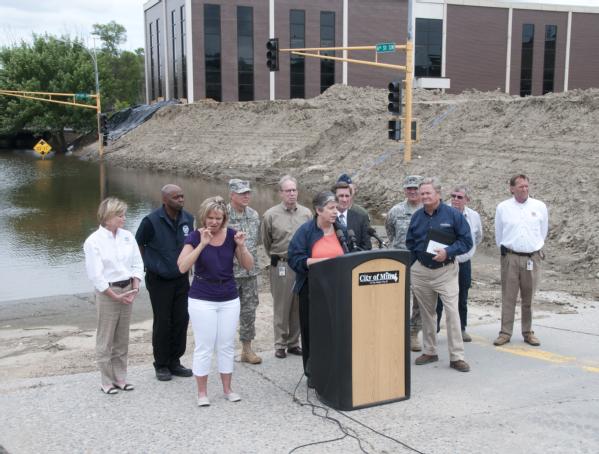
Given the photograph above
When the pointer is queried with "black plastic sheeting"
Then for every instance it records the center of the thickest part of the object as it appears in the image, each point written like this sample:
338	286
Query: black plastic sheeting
127	119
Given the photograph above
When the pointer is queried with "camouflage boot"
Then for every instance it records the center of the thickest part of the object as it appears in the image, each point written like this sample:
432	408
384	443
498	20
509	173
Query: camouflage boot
247	354
414	342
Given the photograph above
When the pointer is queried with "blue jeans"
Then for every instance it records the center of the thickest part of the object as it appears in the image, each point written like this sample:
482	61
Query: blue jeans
464	281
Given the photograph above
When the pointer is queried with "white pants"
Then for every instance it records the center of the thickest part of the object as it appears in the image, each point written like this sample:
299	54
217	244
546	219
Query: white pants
214	327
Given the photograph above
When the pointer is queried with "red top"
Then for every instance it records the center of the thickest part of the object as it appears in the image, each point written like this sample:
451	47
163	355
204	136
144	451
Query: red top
327	248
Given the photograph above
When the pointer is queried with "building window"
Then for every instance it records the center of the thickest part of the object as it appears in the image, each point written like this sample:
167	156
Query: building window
245	53
174	43
429	40
212	51
528	34
158	61
549	58
152	84
327	39
297	38
183	55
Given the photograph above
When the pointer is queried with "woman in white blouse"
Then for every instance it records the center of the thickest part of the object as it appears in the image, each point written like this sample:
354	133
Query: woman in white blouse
115	267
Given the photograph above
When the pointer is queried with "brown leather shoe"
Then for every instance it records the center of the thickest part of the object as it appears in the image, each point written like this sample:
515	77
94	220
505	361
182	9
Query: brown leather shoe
531	339
425	359
460	365
280	353
501	340
295	351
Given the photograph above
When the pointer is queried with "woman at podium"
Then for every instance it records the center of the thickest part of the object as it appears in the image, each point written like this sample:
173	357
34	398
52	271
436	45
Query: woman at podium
313	242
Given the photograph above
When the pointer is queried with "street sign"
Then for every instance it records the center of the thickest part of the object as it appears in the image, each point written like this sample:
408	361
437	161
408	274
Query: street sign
81	97
42	147
383	48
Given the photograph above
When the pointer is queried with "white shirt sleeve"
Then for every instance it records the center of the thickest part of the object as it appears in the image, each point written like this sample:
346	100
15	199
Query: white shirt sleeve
93	264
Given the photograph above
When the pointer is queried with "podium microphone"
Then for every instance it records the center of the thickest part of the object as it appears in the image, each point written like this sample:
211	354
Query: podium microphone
373	234
353	241
341	238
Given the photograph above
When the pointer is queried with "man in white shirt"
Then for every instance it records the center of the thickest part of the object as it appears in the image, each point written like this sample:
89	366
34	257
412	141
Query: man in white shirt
460	197
521	225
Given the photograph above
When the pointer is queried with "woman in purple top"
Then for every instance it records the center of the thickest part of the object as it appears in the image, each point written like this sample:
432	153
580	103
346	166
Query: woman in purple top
213	298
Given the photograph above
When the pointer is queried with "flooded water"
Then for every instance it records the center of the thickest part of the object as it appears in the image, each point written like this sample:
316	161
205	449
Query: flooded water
48	208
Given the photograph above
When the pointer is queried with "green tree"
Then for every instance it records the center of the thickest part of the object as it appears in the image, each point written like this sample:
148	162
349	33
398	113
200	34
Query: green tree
112	36
62	65
46	65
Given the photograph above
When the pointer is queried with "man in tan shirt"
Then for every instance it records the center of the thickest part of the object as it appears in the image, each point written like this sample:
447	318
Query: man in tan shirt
278	226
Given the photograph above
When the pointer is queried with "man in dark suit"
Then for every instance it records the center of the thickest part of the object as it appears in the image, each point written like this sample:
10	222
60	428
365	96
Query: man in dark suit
350	218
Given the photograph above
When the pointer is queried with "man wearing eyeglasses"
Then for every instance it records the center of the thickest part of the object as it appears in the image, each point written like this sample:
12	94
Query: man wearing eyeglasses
396	225
278	226
521	225
460	197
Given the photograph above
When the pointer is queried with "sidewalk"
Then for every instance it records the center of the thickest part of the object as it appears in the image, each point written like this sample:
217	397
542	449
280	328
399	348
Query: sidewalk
516	399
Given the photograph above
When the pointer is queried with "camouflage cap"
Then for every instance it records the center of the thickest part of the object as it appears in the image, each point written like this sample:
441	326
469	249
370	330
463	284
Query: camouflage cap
412	181
239	186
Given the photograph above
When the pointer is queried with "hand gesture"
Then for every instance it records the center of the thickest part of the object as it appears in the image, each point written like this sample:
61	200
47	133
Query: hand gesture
240	238
129	297
441	255
205	237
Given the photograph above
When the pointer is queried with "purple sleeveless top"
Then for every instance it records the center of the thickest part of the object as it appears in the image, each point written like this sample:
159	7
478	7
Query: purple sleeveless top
213	271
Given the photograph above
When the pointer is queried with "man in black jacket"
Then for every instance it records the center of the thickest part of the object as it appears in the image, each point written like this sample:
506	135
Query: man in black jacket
160	237
351	219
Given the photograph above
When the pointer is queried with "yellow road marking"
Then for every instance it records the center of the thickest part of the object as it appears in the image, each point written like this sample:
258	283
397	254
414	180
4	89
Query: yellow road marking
537	354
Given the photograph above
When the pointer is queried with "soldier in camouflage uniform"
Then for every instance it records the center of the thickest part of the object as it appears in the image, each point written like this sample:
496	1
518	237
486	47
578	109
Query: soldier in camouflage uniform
246	219
396	224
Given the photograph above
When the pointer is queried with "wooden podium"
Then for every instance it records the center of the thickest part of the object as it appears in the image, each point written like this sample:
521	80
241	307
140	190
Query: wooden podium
359	333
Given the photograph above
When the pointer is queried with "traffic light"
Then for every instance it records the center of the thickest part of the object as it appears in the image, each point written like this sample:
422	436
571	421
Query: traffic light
103	123
272	56
395	129
104	128
395	97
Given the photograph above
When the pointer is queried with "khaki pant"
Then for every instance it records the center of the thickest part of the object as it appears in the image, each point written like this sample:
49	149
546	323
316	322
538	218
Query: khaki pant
285	307
515	278
427	285
112	337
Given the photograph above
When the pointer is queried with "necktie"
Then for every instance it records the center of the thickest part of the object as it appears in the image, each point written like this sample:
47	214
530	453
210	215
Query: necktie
342	219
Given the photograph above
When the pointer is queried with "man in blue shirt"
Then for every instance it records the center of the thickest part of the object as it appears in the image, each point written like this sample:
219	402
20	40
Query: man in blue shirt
437	234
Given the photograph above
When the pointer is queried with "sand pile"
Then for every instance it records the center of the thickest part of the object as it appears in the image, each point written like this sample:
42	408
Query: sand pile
478	138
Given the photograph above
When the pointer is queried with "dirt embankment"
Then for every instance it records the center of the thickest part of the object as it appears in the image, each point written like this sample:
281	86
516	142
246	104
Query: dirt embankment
477	138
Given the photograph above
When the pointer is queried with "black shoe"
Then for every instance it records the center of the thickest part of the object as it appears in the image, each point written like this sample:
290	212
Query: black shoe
180	371
163	374
295	351
310	383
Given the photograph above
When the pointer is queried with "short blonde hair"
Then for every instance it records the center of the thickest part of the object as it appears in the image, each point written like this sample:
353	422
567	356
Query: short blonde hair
109	208
216	203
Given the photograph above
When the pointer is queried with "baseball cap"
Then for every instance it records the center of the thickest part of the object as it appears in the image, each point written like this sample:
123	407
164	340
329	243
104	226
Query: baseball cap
412	181
239	186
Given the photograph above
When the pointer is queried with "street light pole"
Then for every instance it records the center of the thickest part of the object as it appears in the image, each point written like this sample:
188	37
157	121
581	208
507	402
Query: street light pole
94	58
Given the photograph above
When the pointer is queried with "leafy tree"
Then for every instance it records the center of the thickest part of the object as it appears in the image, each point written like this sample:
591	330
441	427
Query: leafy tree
111	35
46	65
63	65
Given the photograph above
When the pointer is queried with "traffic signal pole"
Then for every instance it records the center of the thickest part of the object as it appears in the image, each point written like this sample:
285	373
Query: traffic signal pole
272	57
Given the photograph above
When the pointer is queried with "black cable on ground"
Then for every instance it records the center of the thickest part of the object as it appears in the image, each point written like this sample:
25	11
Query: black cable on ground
344	430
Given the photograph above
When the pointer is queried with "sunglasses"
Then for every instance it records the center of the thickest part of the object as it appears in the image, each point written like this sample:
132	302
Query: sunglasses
457	196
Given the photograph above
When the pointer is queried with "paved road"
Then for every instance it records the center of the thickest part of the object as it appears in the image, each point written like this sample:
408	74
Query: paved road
517	399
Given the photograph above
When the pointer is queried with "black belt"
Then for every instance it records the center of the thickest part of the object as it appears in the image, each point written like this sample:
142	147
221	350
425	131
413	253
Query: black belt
121	284
213	281
435	266
521	254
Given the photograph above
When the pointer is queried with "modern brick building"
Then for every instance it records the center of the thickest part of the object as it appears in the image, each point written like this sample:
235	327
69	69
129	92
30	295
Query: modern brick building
215	49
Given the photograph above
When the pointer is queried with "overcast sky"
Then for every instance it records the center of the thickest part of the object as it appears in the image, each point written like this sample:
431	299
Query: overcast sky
19	18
